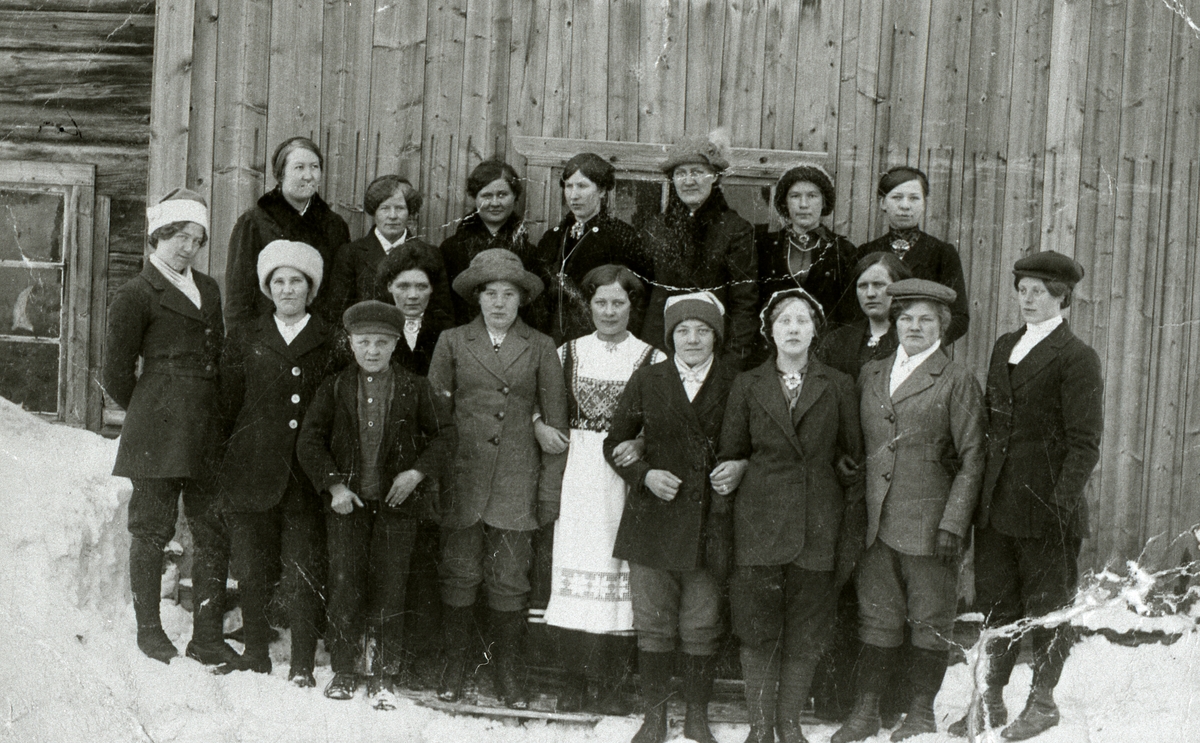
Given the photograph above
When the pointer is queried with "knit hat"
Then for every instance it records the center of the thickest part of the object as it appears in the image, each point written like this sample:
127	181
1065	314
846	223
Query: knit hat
181	205
300	256
712	151
913	289
1050	266
373	316
902	174
497	264
702	306
778	298
813	174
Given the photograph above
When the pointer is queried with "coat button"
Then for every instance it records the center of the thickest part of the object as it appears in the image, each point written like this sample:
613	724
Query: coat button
208	367
887	476
293	424
504	390
495	440
892	446
295	398
370	424
295	371
500	415
891	418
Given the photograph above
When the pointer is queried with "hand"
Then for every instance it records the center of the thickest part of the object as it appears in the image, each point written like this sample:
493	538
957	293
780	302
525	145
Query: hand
344	499
552	440
949	545
628	452
728	475
847	467
547	512
403	486
663	484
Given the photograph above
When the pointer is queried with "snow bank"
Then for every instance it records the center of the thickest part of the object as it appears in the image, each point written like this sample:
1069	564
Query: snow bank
70	669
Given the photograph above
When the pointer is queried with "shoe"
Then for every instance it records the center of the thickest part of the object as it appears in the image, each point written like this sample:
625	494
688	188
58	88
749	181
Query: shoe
342	686
260	664
153	641
926	669
212	653
302	678
381	692
655	670
875	665
1040	714
996	717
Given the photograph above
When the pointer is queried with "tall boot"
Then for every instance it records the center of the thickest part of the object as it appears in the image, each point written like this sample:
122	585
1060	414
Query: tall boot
926	668
1050	649
875	666
457	624
145	580
256	630
795	681
608	668
507	628
1002	656
655	670
698	672
573	648
760	670
210	569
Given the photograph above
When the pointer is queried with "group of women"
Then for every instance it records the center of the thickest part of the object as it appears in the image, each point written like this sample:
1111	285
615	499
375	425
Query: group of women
531	347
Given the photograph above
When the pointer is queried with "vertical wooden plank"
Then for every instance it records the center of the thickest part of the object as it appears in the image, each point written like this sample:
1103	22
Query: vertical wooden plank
97	313
587	111
741	65
882	158
239	149
170	97
906	101
849	219
527	82
81	203
623	53
473	143
346	84
705	44
1189	469
860	98
664	71
558	69
497	131
816	109
397	89
203	115
443	109
779	65
942	133
294	84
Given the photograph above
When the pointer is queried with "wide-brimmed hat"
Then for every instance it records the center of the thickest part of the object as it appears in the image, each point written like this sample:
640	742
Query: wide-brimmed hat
702	306
180	205
1050	266
301	256
914	289
497	264
373	316
712	151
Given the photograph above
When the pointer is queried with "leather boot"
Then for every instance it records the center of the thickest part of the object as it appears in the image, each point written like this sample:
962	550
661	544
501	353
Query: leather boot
1002	656
1040	714
698	672
507	629
609	667
926	668
795	682
145	580
210	569
760	670
875	665
457	626
1050	649
655	670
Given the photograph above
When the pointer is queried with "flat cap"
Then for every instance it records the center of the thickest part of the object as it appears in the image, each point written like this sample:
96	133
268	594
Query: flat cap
373	316
1049	266
922	289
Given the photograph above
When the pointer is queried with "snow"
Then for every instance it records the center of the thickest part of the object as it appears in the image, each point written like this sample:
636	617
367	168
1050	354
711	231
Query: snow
70	669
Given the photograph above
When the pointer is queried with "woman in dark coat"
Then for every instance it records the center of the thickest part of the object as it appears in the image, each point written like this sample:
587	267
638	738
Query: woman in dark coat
902	194
701	244
294	211
806	253
169	316
495	189
586	238
922	418
406	278
504	384
270	372
797	529
848	347
393	203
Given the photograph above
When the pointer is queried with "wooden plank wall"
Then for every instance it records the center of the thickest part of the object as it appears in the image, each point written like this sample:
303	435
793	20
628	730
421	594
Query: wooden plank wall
1061	123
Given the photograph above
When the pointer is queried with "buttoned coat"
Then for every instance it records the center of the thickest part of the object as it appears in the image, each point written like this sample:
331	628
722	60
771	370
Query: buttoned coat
171	424
1044	421
681	437
791	500
418	433
499	472
924	452
355	276
266	387
418	358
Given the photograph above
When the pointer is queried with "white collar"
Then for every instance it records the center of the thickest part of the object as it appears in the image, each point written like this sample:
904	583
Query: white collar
700	372
903	359
1043	328
289	332
390	246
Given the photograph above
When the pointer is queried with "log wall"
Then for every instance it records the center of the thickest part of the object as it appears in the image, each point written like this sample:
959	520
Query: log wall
1064	124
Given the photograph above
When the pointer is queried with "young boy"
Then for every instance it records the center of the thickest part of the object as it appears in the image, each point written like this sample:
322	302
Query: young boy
673	547
372	434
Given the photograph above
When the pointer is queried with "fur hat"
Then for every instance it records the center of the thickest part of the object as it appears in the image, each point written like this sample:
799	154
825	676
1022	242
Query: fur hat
300	256
497	264
373	316
712	151
181	205
702	306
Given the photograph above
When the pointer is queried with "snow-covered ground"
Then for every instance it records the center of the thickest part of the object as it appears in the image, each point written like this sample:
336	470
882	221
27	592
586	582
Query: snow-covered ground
70	669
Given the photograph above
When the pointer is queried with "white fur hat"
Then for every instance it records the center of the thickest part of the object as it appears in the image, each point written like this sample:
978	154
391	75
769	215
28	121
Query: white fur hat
300	256
181	205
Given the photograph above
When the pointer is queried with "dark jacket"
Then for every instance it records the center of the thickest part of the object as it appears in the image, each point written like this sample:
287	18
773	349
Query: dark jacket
417	359
171	419
924	452
1044	421
354	276
273	218
418	433
830	279
714	251
845	348
791	502
266	387
561	261
472	238
931	259
680	437
499	473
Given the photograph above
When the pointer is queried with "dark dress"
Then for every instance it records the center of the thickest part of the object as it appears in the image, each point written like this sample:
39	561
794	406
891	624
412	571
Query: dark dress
355	277
562	261
931	259
830	278
847	348
273	218
472	238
